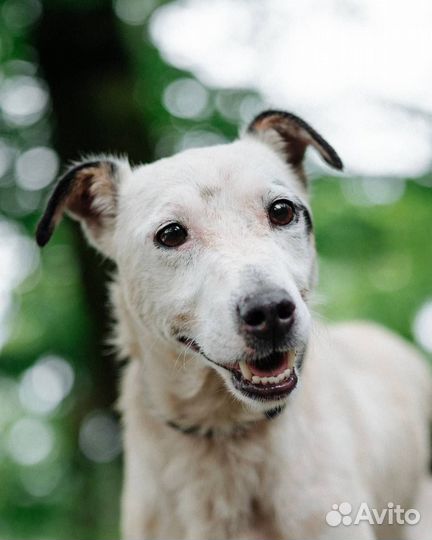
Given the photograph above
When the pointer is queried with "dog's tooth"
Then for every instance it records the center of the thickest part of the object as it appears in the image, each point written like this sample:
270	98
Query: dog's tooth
287	373
265	380
291	359
256	379
282	376
246	372
272	380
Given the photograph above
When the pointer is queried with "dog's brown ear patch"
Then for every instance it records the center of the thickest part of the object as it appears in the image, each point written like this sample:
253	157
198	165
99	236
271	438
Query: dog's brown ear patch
294	136
88	193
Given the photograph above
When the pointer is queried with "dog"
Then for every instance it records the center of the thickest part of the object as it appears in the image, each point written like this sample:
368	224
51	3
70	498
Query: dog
243	416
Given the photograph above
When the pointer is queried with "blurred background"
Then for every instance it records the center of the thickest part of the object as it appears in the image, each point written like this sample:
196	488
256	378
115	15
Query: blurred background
148	78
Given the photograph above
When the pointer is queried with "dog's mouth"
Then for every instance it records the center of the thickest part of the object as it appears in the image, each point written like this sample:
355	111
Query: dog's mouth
271	377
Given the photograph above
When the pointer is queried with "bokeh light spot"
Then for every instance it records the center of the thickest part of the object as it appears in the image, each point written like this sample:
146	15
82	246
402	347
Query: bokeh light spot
19	258
23	100
185	98
19	14
41	480
36	168
196	138
373	191
133	12
99	437
30	441
44	386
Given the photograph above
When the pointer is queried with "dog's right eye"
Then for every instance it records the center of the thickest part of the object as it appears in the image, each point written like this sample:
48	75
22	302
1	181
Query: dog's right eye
172	235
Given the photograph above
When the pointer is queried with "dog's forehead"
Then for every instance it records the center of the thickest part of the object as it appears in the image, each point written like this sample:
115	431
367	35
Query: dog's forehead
238	172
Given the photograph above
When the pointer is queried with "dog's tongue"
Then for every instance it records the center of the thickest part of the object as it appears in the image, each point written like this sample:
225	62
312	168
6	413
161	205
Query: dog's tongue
270	372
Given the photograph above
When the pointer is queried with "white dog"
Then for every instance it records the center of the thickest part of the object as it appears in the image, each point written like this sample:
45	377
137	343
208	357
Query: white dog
242	417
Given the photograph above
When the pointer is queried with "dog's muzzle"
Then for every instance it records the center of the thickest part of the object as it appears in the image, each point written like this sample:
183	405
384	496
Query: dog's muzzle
265	320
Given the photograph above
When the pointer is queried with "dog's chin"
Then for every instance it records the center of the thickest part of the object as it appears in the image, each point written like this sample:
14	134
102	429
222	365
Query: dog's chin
266	380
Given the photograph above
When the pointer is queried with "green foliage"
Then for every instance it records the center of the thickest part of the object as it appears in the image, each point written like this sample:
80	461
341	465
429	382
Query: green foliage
375	261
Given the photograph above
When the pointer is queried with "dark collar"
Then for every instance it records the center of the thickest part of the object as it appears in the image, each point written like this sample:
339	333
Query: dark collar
237	430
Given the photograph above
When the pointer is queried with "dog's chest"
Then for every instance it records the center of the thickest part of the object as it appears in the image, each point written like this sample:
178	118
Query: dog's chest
220	482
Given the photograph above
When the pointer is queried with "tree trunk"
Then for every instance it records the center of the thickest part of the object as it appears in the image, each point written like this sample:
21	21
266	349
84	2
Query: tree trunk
86	68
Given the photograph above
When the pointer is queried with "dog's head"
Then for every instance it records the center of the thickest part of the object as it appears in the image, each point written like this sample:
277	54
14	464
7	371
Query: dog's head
214	249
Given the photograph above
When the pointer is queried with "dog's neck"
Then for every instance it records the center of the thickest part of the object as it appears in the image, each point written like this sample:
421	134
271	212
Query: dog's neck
180	390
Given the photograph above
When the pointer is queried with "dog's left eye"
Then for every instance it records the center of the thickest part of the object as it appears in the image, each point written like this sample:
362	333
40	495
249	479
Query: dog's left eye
281	212
172	235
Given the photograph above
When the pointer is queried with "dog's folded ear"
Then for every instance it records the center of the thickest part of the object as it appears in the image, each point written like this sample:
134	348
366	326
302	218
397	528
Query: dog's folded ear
88	193
290	135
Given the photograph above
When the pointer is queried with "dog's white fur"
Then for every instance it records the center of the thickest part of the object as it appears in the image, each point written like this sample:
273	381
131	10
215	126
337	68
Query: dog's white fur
355	429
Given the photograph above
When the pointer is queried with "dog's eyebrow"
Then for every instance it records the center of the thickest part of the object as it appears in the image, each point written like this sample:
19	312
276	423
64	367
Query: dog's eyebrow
208	192
278	182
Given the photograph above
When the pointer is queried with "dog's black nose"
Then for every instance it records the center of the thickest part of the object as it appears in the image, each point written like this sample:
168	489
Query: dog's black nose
267	315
